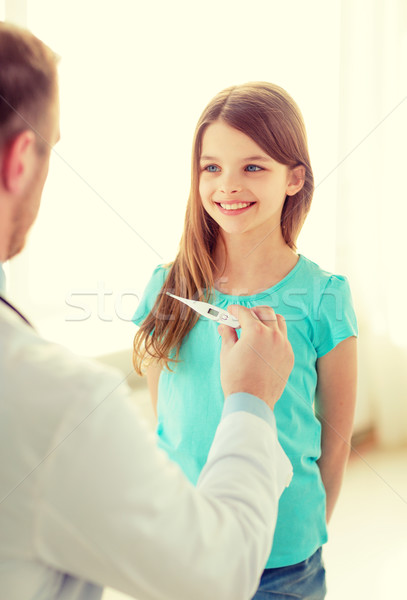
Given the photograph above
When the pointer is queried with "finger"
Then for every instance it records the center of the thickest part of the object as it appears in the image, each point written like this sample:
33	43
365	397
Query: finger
234	309
241	313
265	314
282	324
248	316
228	335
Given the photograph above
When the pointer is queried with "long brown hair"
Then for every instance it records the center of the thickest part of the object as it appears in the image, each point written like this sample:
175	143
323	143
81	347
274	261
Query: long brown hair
270	117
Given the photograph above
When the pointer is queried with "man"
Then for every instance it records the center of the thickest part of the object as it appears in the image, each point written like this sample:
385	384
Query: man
86	499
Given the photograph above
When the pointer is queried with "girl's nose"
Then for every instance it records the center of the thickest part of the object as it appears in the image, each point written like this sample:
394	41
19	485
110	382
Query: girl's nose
229	186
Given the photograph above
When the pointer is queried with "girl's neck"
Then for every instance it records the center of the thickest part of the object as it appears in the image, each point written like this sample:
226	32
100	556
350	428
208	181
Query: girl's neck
245	266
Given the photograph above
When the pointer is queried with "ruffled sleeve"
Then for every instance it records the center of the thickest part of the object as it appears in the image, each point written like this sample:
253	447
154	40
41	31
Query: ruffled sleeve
335	318
150	294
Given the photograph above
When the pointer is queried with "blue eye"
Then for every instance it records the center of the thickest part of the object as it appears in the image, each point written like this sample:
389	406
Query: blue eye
212	169
253	168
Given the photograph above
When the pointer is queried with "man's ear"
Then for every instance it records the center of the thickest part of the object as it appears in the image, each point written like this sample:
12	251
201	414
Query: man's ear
17	161
296	180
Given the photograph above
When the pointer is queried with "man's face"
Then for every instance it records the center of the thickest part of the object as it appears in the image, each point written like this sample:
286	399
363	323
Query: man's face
26	209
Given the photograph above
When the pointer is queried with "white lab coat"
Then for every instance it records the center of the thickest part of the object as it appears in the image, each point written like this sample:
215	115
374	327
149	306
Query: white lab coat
87	500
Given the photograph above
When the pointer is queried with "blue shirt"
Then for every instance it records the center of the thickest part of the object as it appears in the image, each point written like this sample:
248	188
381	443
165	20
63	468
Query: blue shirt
319	314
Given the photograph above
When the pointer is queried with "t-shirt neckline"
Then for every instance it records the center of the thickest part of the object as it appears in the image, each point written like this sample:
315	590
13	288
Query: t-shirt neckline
220	295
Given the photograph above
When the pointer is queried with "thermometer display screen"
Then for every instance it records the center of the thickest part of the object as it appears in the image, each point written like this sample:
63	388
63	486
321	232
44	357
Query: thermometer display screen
213	312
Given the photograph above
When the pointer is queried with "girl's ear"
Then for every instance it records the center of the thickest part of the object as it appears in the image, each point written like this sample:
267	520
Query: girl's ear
296	179
17	161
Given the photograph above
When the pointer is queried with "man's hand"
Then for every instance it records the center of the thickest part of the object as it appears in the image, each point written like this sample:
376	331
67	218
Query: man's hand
261	361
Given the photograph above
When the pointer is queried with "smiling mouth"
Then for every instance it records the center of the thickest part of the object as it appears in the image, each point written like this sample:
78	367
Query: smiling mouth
235	206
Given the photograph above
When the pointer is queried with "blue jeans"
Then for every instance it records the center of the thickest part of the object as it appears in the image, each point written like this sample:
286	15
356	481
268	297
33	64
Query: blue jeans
304	581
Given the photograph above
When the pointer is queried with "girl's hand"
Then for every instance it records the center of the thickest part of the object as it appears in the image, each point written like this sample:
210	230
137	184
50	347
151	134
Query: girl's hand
261	361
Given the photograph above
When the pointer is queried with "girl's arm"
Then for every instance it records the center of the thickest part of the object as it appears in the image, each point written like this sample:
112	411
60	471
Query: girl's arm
153	375
335	406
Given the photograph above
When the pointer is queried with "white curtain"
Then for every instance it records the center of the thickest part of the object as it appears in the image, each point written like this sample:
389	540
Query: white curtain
372	202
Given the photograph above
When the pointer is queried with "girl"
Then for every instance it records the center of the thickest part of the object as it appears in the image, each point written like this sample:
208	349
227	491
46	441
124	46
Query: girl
251	190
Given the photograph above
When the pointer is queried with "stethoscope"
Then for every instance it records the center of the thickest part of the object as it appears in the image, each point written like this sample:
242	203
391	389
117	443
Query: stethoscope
14	309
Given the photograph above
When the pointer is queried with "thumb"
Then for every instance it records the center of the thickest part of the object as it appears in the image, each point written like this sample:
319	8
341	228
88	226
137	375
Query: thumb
228	335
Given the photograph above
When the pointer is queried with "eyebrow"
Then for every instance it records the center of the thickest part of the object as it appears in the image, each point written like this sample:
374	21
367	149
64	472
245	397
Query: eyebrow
247	159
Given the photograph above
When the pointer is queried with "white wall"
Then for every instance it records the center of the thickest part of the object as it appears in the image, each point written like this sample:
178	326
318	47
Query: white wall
372	207
134	78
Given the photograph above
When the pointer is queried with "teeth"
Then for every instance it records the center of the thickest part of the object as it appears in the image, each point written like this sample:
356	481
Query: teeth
235	206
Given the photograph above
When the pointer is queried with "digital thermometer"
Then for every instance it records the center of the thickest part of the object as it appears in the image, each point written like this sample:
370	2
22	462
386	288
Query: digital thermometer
214	313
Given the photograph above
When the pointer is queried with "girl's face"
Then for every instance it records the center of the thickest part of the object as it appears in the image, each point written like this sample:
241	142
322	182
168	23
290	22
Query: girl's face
241	187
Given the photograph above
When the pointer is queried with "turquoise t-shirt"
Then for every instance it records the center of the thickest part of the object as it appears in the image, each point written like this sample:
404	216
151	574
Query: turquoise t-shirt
318	310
